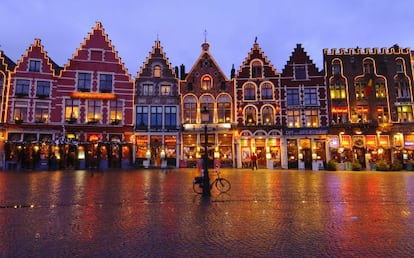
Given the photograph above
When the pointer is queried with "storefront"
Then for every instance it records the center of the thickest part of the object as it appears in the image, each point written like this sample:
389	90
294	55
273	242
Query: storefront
156	150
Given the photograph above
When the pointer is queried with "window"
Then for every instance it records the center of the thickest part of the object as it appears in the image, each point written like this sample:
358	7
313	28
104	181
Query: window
360	90
156	117
268	116
266	91
310	96
405	113
380	91
368	67
382	114
43	89
300	72
249	92
157	71
105	82
399	66
403	91
360	114
339	115
165	90
94	111
338	91
311	118
115	113
207	102
22	87
71	110
257	71
206	83
250	116
224	109
41	112
84	82
170	117
96	55
34	66
336	68
142	117
147	89
292	96
20	111
190	110
293	118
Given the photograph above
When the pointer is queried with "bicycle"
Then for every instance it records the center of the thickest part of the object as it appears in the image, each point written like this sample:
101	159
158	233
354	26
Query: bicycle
223	185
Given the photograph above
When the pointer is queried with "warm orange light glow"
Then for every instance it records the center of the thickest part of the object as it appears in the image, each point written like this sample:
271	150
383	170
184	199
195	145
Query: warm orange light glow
92	95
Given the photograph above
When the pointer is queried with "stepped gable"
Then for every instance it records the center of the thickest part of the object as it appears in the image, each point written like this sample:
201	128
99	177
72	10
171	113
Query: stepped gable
256	53
157	54
6	63
299	56
36	50
206	63
97	39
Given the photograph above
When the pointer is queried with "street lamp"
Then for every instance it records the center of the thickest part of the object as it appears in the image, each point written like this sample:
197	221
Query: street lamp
205	118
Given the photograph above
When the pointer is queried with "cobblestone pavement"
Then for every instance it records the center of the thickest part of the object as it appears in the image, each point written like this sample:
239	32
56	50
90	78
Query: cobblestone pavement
153	213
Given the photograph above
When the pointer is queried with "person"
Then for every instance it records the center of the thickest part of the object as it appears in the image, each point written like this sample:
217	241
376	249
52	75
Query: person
254	161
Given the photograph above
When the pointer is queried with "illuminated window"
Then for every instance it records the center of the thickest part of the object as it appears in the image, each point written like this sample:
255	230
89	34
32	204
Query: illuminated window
266	91
166	90
300	72
34	66
310	96
250	116
360	90
338	91
257	71
292	97
71	110
380	91
268	116
360	114
224	109
22	87
293	118
84	82
157	71
311	118
382	113
190	110
405	113
116	111
206	83
105	82
20	111
42	89
41	112
94	111
249	91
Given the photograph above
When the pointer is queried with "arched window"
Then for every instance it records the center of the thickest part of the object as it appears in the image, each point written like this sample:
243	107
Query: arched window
257	71
368	66
268	116
336	67
224	109
266	91
206	83
190	110
157	71
249	91
207	101
250	116
402	87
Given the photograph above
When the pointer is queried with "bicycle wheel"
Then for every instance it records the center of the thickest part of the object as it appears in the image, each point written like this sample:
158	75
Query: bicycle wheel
197	188
223	185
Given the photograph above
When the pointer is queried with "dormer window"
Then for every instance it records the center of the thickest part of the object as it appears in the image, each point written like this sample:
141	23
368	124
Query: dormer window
206	83
34	66
157	71
165	90
257	71
300	72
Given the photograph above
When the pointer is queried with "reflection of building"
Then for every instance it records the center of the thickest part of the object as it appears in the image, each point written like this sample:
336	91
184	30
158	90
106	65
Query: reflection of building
258	110
371	103
206	88
156	111
304	112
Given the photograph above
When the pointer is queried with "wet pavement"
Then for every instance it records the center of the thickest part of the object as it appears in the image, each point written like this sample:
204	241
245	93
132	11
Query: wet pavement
153	213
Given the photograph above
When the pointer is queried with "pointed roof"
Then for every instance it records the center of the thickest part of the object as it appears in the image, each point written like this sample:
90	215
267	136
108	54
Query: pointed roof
6	62
97	39
157	52
34	50
256	52
299	56
205	52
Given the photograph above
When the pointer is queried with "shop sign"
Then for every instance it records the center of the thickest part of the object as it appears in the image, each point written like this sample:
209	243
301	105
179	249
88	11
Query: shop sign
371	141
295	131
346	141
409	140
384	141
358	141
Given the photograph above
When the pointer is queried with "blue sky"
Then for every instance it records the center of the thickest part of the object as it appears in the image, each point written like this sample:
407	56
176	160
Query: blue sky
231	25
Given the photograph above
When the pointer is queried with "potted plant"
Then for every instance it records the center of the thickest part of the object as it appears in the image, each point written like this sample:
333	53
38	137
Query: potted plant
382	165
356	166
332	165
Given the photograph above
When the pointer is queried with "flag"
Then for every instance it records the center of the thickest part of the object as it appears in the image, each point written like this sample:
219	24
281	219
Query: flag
369	88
